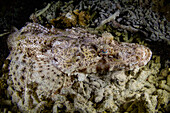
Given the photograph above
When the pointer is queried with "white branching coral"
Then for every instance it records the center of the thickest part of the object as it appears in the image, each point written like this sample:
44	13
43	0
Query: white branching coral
47	60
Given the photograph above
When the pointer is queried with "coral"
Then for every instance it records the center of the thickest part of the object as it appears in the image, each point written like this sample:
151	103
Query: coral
84	18
33	87
47	63
46	14
72	18
93	13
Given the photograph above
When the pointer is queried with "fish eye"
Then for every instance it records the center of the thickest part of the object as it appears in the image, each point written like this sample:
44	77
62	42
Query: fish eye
104	51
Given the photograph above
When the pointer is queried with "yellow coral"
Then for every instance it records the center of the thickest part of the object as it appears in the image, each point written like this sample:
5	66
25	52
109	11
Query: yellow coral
72	19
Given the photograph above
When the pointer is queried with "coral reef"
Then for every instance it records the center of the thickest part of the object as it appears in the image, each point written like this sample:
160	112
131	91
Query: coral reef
76	70
48	63
72	18
143	20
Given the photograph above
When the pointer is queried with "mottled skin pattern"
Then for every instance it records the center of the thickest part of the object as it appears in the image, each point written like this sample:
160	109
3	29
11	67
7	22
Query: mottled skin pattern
44	59
90	54
76	50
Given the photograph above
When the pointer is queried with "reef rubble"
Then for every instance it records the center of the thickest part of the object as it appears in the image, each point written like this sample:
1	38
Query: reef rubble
47	69
50	69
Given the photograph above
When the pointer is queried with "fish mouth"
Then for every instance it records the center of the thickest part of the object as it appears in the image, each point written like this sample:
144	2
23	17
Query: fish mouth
142	56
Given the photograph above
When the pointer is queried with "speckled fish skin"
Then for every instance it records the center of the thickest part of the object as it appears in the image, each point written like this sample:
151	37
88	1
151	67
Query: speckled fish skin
44	59
76	50
99	54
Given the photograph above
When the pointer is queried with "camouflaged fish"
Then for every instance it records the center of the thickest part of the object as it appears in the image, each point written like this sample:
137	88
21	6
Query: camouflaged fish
76	50
47	56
